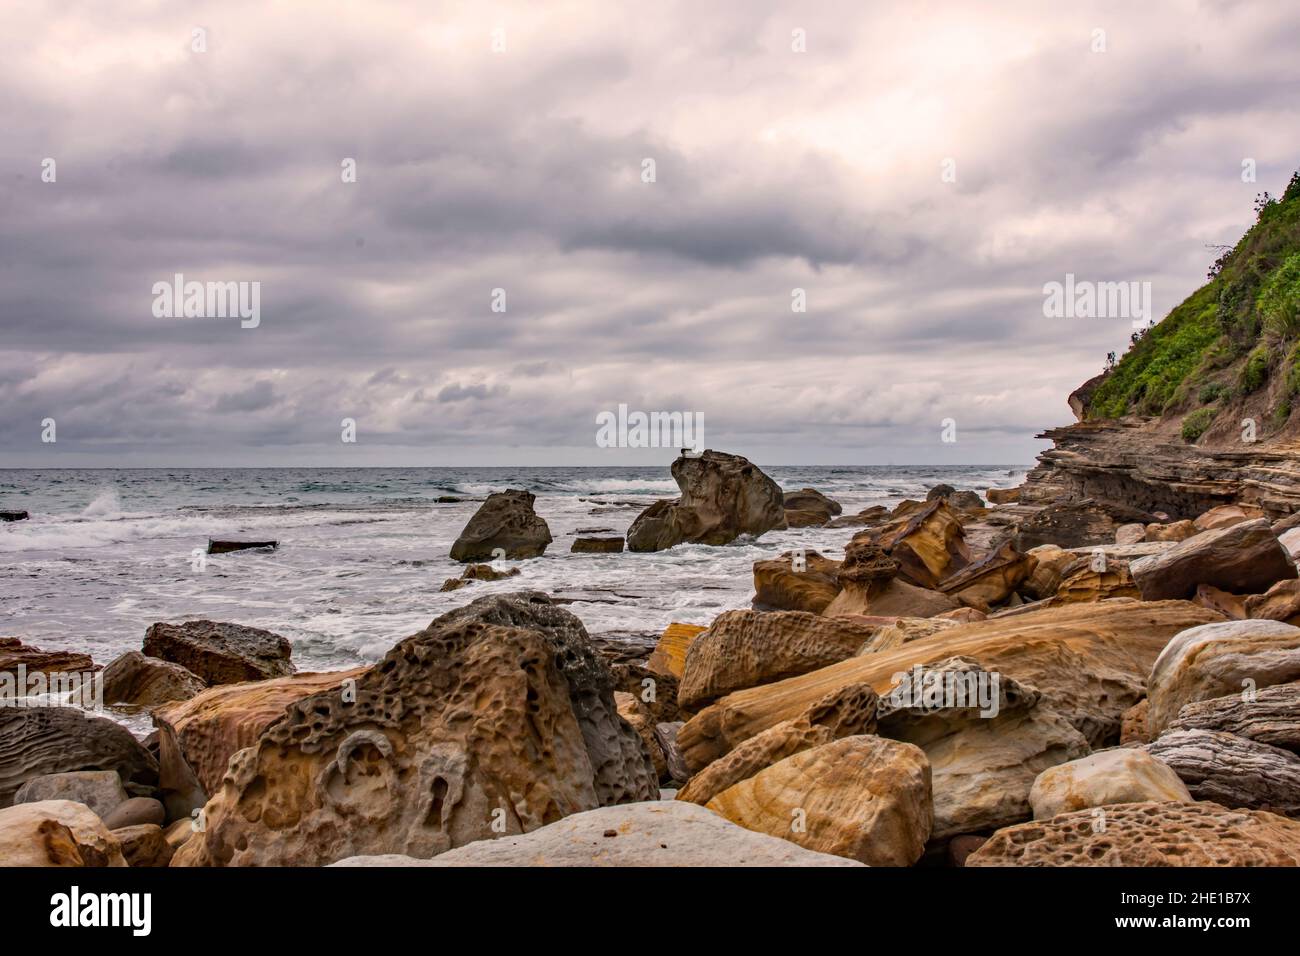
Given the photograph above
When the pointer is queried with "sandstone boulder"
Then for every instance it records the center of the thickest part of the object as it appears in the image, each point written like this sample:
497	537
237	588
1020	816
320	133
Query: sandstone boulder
1081	582
1077	524
669	655
1002	496
1245	557
862	797
1131	533
1049	563
597	545
659	833
134	812
723	496
1229	605
220	653
143	845
1120	775
14	652
1147	834
1133	728
1214	660
904	630
56	833
1281	602
779	586
1271	716
505	525
1172	531
139	681
1232	771
101	790
990	580
1225	516
929	545
809	508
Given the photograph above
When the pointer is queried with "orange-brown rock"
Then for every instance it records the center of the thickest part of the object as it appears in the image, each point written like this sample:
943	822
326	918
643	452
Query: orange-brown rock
1090	661
14	652
669	655
990	580
1281	602
929	546
1049	563
1225	516
903	630
1133	725
1173	531
1226	603
1002	496
779	586
56	833
1086	584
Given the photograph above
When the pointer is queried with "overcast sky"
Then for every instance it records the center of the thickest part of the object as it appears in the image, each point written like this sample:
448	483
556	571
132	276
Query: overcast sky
521	169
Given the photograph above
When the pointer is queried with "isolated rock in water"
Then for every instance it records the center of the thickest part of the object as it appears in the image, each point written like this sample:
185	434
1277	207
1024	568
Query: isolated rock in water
1122	775
140	681
845	713
220	653
961	500
13	516
1231	770
1214	660
783	584
137	811
1244	557
1281	602
505	526
14	652
1225	516
1147	834
597	545
143	845
1270	716
746	648
225	547
37	741
477	572
723	496
462	731
56	833
1077	524
669	655
1089	661
197	737
101	790
863	798
657	833
809	508
990	580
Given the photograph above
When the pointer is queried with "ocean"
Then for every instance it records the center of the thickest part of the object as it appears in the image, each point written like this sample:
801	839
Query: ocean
363	551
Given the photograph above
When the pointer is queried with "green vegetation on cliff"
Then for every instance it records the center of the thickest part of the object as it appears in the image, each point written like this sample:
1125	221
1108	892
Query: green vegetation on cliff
1229	339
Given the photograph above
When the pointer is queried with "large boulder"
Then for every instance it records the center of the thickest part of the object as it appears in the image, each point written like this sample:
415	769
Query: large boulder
1089	662
56	833
1244	557
1225	516
657	833
220	653
505	525
747	648
1120	775
809	508
37	741
929	545
784	584
140	681
1232	771
723	496
197	737
990	580
869	585
1147	834
1214	660
669	655
1082	581
464	731
1270	716
101	790
1077	524
862	797
1050	563
845	713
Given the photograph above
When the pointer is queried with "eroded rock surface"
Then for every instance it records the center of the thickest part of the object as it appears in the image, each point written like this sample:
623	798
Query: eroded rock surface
505	525
220	653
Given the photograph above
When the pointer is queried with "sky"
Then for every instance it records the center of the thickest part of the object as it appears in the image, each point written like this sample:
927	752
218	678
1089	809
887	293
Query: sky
920	170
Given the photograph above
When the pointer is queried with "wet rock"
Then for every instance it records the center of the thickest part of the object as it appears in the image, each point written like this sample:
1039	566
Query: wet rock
14	652
225	547
218	652
809	508
505	526
598	545
14	516
140	681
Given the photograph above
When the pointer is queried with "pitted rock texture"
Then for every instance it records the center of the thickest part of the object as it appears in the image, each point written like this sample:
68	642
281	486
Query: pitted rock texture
723	496
1147	834
42	740
1215	660
747	648
505	525
847	712
779	587
862	797
669	655
1270	716
220	653
1120	775
56	833
1242	558
1232	770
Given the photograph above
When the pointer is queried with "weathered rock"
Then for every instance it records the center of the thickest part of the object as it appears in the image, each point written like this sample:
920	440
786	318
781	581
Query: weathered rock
140	681
137	811
1049	563
747	648
1121	775
1076	524
809	508
656	833
1173	531
220	653
990	580
1147	834
597	545
904	630
1089	661
14	652
10	515
640	719
505	526
1243	557
1130	533
666	737
1133	728
874	515
178	832
56	833
1229	605
1232	771
894	598
197	737
778	586
144	845
216	546
1225	516
961	615
1281	602
723	496
862	797
101	790
44	740
467	724
1002	496
1270	716
961	847
929	546
1214	660
669	656
845	713
1083	583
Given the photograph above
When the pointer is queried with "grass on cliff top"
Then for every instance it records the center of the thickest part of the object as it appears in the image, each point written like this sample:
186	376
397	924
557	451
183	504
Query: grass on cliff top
1246	317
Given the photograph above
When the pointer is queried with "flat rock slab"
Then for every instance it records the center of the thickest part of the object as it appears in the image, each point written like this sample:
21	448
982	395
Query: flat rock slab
225	547
218	652
13	516
658	833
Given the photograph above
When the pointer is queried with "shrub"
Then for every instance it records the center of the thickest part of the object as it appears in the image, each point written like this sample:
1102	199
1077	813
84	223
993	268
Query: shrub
1195	424
1255	372
1279	299
1211	392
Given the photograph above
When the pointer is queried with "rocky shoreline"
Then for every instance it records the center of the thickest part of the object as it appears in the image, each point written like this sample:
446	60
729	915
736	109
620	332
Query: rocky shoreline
1077	672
